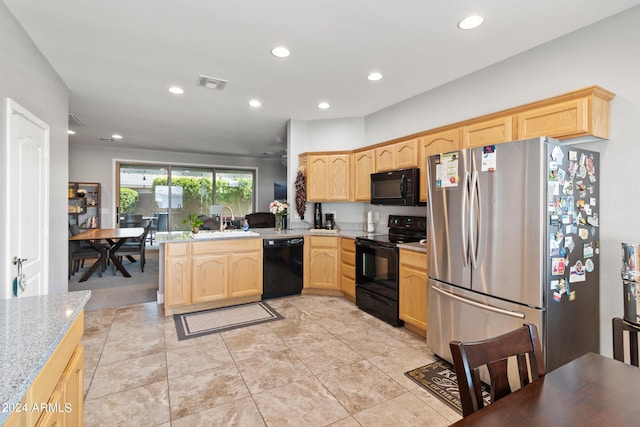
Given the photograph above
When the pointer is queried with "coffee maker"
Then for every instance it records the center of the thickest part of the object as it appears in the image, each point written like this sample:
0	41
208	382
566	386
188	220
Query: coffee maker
329	221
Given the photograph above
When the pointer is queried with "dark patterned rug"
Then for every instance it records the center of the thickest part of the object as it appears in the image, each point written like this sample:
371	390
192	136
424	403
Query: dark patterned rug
191	325
439	378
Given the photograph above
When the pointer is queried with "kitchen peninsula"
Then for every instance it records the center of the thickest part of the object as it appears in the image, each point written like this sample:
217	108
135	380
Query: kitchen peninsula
41	359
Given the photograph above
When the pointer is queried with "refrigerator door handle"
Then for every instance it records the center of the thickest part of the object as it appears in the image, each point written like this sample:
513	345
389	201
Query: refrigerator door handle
463	220
516	314
474	220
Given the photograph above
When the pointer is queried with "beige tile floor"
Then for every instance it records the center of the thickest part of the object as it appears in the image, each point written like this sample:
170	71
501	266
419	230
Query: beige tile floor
326	363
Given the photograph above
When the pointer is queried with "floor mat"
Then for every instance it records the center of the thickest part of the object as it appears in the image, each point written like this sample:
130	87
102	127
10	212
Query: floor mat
191	325
439	378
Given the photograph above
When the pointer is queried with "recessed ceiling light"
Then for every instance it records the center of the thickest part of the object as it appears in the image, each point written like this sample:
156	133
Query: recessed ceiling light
470	22
70	132
116	136
324	105
176	90
280	52
255	103
375	76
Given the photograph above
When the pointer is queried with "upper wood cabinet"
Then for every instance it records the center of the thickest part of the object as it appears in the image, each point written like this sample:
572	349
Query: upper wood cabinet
328	177
488	132
400	155
435	143
581	116
364	164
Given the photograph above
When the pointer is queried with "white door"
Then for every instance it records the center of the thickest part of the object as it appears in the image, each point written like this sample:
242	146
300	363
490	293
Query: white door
28	200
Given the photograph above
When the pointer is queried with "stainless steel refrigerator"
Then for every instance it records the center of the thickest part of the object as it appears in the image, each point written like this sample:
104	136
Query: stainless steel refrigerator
513	238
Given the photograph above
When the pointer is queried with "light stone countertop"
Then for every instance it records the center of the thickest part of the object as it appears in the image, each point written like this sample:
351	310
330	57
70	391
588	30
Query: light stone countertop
32	328
417	246
264	233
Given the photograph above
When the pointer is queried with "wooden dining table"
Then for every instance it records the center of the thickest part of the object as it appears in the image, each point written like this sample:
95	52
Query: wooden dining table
592	390
115	238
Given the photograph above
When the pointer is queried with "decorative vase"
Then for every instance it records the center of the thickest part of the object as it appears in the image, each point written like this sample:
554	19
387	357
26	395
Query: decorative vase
195	230
278	222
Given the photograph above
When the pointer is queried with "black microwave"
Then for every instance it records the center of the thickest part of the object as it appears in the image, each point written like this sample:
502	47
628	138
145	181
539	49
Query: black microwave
399	187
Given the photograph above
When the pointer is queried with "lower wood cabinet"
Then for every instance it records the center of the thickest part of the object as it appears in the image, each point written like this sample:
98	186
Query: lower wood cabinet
321	262
348	268
212	273
413	290
56	396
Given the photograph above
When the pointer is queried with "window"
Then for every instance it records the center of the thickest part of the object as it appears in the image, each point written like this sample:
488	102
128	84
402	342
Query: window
178	191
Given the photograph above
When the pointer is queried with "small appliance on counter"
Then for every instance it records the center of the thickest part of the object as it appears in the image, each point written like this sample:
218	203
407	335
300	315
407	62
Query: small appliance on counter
317	215
631	282
329	221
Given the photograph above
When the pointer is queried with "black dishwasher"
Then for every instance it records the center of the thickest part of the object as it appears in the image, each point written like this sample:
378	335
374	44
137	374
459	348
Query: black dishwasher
282	267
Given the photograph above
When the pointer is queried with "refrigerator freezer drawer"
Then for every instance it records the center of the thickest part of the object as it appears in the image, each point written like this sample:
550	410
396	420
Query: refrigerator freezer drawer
463	315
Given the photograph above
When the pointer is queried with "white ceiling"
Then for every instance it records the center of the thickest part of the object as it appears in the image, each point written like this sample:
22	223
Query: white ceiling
119	57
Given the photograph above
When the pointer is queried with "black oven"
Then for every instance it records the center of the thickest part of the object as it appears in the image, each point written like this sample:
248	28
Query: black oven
377	273
377	267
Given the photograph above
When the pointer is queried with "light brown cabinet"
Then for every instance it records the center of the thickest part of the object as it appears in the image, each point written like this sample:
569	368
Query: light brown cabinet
399	155
586	115
434	143
321	262
60	385
212	273
348	268
413	290
177	274
488	132
364	164
328	177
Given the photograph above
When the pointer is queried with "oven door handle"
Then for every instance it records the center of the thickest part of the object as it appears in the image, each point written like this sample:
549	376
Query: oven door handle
370	246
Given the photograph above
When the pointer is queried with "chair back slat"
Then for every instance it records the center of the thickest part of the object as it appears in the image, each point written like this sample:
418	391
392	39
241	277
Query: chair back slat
495	353
619	327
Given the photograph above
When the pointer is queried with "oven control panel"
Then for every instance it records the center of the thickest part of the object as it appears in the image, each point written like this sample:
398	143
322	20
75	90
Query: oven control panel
417	223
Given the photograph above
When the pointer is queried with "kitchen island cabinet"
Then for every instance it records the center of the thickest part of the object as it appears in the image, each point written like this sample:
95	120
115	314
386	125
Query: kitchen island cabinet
42	360
413	290
212	273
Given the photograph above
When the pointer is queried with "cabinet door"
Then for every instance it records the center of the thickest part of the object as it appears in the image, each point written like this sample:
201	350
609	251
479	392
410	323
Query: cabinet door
364	166
324	268
406	154
210	277
246	274
74	387
440	142
317	178
570	118
177	280
348	269
413	288
385	158
339	189
494	131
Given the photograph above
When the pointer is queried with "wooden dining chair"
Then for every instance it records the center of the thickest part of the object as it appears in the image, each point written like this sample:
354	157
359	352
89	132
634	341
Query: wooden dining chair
619	328
494	353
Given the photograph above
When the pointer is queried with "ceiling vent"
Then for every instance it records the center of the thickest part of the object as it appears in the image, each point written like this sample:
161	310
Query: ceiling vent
105	139
211	82
74	121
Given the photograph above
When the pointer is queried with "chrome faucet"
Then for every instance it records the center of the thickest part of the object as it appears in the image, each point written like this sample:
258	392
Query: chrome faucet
222	218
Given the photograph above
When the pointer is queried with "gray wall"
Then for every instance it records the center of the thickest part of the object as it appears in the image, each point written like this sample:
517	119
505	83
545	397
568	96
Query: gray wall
27	78
95	163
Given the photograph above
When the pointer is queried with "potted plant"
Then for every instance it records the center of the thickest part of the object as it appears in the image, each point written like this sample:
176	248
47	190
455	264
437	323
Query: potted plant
194	221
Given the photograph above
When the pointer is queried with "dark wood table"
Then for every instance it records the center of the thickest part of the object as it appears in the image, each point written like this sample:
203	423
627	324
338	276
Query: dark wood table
592	390
116	237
